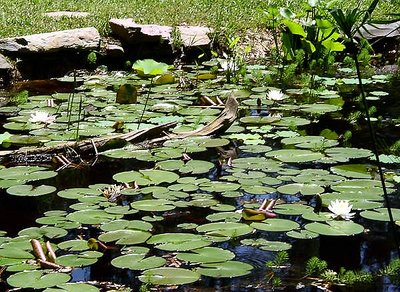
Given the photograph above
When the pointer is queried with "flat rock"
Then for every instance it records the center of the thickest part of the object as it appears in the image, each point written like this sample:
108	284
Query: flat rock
81	39
59	14
373	31
133	33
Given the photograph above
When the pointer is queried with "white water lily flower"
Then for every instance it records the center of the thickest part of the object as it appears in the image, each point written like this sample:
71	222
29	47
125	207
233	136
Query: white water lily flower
42	117
274	94
341	209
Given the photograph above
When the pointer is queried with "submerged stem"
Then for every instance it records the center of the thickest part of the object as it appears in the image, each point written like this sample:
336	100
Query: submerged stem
145	104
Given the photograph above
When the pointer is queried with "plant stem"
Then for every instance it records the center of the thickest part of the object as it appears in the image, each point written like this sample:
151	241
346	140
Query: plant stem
375	150
145	104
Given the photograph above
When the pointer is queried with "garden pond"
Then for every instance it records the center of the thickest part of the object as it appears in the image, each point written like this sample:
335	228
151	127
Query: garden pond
241	211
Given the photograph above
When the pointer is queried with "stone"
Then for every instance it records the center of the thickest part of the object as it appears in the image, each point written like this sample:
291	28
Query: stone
195	36
60	14
133	33
81	39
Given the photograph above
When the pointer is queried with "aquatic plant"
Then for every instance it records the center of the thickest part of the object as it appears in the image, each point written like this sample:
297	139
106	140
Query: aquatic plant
341	210
42	117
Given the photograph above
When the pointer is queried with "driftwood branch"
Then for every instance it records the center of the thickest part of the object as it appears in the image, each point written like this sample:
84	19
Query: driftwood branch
156	134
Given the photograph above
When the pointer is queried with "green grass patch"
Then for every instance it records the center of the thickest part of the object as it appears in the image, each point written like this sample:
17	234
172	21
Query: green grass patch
21	17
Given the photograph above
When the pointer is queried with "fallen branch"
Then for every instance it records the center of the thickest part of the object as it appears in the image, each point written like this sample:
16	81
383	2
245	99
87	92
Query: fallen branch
153	135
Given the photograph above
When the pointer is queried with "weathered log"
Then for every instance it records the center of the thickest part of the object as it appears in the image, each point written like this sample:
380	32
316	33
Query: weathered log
153	135
90	145
217	126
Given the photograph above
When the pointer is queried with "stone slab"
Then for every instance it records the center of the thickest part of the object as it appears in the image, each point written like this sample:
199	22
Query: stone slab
81	39
133	33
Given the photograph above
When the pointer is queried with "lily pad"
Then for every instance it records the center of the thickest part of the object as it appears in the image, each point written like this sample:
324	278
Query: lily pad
295	155
303	189
125	237
335	228
275	225
137	262
30	190
228	269
226	229
155	205
178	241
381	214
169	276
37	279
206	255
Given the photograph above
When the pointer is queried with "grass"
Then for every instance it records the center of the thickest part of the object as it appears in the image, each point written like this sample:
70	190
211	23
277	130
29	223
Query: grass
22	17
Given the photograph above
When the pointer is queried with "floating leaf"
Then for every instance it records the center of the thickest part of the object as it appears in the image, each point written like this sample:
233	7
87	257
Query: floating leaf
206	255
137	262
37	279
125	237
178	241
381	214
227	229
159	205
303	189
92	216
30	190
302	234
228	269
169	276
295	155
335	228
275	225
353	170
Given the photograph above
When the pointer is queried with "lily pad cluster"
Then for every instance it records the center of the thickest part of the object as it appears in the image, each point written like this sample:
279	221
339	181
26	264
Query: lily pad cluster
181	216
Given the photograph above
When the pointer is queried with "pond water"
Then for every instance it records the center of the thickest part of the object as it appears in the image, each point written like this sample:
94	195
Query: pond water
184	214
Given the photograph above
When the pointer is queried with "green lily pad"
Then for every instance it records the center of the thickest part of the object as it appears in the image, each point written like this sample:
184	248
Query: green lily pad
73	287
295	155
146	177
224	216
47	231
126	224
79	260
275	225
226	229
228	269
137	262
291	209
303	189
381	214
178	241
206	255
125	237
30	190
344	154
169	276
92	216
155	205
302	234
37	279
353	170
266	244
335	228
74	245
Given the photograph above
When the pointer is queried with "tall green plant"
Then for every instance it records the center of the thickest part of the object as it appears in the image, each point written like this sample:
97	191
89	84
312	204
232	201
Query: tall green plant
349	23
